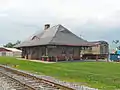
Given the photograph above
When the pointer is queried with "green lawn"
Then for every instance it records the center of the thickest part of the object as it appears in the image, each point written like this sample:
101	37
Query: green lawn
102	75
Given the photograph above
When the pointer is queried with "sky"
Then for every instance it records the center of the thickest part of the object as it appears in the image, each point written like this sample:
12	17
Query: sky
90	19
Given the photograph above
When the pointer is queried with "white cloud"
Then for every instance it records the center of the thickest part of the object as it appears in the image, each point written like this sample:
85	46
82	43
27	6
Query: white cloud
81	11
3	14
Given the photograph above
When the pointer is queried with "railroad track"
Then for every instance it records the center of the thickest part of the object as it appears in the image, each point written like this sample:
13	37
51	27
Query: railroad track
14	83
26	81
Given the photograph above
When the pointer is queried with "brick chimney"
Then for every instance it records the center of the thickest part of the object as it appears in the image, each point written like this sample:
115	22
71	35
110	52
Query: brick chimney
46	26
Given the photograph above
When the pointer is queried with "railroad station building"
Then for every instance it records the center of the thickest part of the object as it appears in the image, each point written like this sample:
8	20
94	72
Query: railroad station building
55	43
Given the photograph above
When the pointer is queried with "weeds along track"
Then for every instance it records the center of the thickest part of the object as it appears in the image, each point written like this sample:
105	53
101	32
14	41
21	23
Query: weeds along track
27	81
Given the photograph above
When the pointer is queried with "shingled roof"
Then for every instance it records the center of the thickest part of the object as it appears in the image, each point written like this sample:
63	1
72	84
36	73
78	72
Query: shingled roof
56	35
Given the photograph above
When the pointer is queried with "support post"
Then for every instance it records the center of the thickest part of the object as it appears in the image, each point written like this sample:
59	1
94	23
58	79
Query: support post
56	58
80	52
46	54
46	50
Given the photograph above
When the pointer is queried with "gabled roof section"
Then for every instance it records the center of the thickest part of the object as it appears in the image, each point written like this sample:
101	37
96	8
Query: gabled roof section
65	37
56	35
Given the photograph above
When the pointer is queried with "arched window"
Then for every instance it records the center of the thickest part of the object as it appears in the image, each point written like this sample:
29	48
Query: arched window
71	51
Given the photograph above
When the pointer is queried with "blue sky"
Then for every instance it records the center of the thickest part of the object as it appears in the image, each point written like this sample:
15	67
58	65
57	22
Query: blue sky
92	19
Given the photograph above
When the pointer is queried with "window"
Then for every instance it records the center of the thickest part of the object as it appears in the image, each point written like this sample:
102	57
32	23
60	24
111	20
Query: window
63	50
90	48
43	49
71	51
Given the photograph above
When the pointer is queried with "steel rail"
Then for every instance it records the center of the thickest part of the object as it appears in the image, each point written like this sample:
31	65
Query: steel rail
47	82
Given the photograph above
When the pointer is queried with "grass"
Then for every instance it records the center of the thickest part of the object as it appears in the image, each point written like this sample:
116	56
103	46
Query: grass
102	75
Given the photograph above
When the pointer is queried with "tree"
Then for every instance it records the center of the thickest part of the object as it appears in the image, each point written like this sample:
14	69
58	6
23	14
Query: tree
117	43
118	47
18	42
11	45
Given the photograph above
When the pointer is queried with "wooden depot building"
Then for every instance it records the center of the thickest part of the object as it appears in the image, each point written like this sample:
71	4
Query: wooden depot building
55	43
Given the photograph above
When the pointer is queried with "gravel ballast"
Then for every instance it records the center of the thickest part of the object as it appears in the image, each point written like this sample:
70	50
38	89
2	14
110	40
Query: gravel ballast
5	84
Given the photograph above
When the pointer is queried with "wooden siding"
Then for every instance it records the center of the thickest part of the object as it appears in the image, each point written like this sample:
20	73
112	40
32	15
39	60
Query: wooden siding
58	51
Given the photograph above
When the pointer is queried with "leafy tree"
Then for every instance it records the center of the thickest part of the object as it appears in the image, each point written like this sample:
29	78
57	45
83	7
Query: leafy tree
18	42
118	47
117	43
11	45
